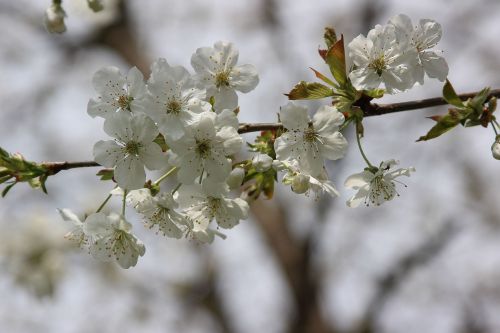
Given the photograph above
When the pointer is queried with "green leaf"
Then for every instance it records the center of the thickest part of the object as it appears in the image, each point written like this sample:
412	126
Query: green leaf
335	58
324	78
477	102
105	174
446	123
309	90
7	189
451	96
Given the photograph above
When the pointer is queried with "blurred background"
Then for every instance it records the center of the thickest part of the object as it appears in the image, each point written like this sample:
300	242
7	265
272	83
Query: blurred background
429	261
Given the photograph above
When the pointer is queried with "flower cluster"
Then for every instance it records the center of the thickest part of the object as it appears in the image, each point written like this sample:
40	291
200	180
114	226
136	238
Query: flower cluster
195	116
397	54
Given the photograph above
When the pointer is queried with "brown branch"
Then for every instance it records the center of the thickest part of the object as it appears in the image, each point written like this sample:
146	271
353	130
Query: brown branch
373	109
55	167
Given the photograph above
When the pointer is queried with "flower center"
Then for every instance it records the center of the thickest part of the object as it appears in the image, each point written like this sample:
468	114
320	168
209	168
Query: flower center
222	79
380	189
203	148
214	204
132	148
310	135
173	106
378	65
124	102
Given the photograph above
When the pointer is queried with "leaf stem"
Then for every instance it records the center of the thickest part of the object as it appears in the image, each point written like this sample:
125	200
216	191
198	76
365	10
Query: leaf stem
104	203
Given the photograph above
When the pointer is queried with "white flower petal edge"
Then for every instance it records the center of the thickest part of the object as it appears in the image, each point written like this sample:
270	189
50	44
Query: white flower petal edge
376	186
117	92
216	70
132	149
310	143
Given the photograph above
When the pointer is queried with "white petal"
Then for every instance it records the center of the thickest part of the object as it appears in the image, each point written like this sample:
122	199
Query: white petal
244	78
135	81
143	128
202	61
118	126
217	167
434	65
358	51
108	153
108	81
287	145
294	117
227	53
430	32
334	146
230	139
68	215
227	118
97	225
365	79
97	108
358	180
358	198
327	120
226	98
190	168
152	157
129	173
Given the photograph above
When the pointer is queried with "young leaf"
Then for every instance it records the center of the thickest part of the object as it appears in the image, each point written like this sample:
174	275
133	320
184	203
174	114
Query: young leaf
446	123
335	58
451	96
330	36
309	90
324	78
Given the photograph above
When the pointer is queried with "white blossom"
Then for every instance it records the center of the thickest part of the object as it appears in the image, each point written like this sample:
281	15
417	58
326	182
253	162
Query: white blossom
421	38
132	149
112	239
376	186
159	211
76	234
117	92
208	201
175	101
204	149
379	58
310	142
304	183
217	70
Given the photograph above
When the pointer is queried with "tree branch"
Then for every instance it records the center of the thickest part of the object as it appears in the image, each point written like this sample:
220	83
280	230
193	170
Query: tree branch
373	109
55	167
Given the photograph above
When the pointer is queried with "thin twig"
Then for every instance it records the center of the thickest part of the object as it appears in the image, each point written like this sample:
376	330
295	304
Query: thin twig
55	167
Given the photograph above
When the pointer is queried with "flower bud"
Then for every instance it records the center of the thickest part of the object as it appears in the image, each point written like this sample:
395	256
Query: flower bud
235	178
54	19
300	183
262	162
495	149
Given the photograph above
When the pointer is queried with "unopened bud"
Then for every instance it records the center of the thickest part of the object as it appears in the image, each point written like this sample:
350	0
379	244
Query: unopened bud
495	149
300	183
235	178
54	19
262	162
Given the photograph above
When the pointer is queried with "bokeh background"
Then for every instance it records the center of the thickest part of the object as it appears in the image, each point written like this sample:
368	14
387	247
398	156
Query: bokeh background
429	261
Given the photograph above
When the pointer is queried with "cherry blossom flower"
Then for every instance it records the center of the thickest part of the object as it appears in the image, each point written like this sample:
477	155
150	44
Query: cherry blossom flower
375	186
302	182
208	201
159	211
310	142
421	38
174	99
76	234
204	149
262	162
217	70
132	149
378	58
112	239
117	93
495	149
